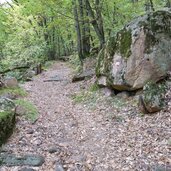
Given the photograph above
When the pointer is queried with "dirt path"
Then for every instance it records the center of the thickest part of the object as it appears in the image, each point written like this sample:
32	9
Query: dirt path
83	139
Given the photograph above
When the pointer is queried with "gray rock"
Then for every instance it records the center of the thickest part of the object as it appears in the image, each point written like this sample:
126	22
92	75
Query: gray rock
139	53
102	81
123	95
161	168
26	169
20	110
28	75
30	131
10	82
152	99
26	160
54	150
55	78
107	92
83	76
6	104
59	167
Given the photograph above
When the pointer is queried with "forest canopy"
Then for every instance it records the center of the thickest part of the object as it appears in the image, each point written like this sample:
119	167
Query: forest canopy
33	31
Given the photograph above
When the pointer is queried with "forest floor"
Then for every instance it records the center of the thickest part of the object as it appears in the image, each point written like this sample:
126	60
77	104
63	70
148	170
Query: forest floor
103	134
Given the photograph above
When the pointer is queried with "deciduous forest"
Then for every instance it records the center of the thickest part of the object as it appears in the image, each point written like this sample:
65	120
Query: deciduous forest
85	85
33	31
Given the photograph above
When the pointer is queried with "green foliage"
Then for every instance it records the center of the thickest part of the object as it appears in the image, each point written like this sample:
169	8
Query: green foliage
17	91
31	111
115	102
94	87
36	30
115	117
92	97
4	114
88	97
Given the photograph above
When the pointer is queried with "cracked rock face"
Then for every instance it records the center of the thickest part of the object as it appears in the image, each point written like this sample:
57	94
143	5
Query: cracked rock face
139	53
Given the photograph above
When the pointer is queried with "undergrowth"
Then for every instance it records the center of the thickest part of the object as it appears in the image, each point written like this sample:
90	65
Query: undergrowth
93	97
31	112
16	91
75	63
4	114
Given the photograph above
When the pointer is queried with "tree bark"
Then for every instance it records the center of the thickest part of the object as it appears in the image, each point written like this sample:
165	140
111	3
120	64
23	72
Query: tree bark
94	22
78	30
85	30
168	4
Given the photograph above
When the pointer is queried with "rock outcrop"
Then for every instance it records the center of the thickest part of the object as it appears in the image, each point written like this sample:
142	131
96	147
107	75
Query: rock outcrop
140	52
7	118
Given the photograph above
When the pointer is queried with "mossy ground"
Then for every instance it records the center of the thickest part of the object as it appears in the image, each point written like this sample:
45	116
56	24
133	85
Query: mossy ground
7	123
31	112
16	91
93	96
4	114
88	97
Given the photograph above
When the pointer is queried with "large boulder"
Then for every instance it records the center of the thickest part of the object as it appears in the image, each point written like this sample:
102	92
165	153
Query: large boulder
7	118
153	98
139	53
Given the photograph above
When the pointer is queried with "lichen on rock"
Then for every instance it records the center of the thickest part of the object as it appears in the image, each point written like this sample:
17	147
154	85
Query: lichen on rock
139	53
124	41
153	97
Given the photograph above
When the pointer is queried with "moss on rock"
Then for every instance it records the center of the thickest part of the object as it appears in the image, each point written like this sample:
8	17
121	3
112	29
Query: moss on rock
124	41
153	97
139	53
7	122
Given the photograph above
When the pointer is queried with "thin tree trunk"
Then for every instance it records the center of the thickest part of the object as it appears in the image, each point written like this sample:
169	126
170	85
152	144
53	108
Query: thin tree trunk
99	17
149	6
94	22
168	4
78	30
88	33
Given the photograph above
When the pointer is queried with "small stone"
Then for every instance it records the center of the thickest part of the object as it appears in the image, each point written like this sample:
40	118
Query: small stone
162	168
107	92
26	169
26	160
54	150
20	110
82	76
59	167
36	142
11	82
30	131
102	81
123	95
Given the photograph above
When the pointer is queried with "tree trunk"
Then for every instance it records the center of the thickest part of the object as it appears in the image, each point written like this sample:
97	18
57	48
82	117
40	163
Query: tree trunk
99	17
85	30
149	6
94	22
78	30
168	4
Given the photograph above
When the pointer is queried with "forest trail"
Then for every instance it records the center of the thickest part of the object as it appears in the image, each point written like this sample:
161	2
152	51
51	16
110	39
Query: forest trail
83	139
